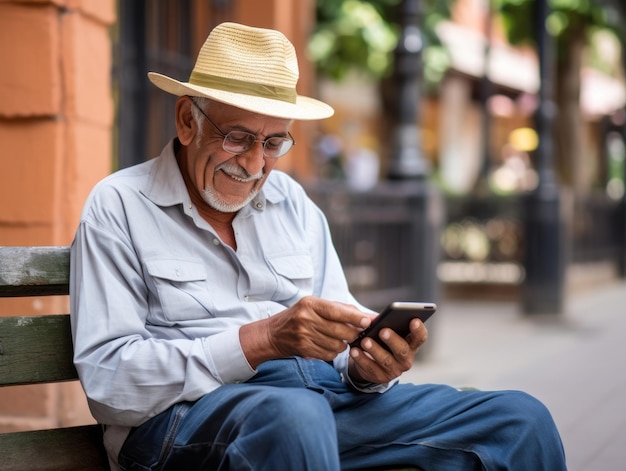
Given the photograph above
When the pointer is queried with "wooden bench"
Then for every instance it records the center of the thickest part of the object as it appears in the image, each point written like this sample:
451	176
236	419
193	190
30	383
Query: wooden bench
38	349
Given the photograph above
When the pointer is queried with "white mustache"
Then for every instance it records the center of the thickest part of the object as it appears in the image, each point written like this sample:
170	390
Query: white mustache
238	173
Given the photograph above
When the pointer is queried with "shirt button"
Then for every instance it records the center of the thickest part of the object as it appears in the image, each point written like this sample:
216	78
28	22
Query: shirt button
245	298
259	205
216	241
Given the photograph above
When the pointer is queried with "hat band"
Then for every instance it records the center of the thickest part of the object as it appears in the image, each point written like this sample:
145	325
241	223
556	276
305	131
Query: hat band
239	86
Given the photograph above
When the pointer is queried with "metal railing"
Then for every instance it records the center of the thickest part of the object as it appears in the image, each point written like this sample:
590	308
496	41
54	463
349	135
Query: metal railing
393	247
387	239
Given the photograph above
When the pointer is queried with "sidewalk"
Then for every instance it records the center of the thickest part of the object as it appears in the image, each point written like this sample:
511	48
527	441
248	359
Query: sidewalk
575	365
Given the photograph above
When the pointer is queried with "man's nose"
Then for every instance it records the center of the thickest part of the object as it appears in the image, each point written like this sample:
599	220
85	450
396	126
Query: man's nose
252	159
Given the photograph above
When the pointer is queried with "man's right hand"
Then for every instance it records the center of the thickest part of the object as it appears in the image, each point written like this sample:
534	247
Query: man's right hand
311	328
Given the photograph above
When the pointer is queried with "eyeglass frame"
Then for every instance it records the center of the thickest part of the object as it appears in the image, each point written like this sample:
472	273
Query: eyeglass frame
263	142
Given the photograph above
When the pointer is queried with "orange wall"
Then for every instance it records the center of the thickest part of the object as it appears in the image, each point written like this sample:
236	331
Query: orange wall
56	115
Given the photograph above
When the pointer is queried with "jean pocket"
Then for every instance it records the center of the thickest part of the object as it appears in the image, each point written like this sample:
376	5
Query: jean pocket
148	446
179	411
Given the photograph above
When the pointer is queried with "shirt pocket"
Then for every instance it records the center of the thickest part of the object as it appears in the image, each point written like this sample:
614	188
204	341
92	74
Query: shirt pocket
295	277
182	289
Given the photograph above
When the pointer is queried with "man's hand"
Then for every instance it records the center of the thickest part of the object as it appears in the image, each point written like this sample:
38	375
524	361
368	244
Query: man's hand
311	328
374	364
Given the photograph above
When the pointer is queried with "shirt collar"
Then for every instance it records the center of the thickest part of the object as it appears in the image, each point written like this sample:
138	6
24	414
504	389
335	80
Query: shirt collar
165	185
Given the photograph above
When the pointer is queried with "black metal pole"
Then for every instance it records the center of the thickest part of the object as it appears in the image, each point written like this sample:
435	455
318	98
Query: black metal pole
622	207
543	288
481	188
132	83
407	161
409	169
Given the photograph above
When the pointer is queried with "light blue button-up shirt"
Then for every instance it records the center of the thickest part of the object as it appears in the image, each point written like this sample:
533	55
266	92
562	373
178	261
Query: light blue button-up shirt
157	299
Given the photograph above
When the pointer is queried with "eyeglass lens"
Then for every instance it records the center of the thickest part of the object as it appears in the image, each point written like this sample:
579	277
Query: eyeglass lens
238	142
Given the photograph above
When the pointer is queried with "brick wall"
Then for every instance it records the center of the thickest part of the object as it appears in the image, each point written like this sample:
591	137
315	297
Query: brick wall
56	114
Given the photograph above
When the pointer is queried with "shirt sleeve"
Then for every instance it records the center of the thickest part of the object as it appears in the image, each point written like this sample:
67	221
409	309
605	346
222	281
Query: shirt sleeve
129	375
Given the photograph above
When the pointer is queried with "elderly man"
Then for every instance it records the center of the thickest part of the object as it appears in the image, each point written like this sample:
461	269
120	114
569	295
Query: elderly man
211	318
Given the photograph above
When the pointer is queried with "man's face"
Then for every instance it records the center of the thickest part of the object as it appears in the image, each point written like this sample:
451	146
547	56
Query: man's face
227	182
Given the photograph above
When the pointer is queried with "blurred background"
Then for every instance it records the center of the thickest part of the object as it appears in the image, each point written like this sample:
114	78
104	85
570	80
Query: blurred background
476	157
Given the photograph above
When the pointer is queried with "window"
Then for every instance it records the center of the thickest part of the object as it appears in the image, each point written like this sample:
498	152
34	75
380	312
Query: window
154	35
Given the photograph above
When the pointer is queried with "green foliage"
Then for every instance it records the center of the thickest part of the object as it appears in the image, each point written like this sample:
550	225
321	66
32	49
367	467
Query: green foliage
361	35
353	34
567	18
604	52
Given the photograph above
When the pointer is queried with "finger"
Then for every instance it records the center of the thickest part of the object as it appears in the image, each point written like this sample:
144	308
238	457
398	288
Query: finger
369	368
345	313
396	361
418	335
385	359
338	330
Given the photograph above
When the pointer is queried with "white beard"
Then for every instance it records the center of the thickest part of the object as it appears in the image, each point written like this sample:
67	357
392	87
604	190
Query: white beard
210	196
212	199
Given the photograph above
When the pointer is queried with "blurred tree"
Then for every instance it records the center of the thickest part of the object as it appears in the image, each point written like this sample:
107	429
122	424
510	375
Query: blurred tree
361	35
573	24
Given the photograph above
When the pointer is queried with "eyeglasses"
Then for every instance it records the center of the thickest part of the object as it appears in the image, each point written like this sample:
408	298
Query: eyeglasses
238	142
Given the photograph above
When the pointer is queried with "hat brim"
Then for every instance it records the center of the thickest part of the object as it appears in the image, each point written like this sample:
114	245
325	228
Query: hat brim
305	108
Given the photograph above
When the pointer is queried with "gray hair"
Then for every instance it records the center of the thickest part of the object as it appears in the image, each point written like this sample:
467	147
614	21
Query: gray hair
197	115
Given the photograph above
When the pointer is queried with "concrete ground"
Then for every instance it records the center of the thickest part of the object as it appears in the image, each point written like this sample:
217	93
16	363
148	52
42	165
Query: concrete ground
575	364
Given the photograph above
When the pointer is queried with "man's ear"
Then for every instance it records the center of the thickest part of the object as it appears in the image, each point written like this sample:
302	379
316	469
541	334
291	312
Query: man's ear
186	126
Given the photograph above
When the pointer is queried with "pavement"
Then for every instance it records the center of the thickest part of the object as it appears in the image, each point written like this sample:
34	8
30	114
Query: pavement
573	362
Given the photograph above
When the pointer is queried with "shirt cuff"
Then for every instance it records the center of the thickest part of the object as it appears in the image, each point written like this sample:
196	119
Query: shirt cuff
224	350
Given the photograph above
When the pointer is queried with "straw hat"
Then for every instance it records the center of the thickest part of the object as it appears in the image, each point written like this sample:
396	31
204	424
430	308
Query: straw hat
251	68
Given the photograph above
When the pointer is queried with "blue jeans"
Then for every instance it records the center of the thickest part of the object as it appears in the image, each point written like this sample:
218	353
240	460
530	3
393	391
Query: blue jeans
297	414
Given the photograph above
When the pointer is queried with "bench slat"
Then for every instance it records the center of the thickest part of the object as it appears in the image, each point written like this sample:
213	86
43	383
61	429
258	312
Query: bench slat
36	349
69	449
34	271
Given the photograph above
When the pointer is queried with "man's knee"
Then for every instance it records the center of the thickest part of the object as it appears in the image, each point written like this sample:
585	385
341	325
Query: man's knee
299	425
529	418
523	407
295	410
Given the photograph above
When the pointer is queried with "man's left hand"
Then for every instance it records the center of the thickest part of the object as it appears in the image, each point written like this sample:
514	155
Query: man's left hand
373	364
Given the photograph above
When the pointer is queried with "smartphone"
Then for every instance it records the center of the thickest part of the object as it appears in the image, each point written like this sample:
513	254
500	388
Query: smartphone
397	317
